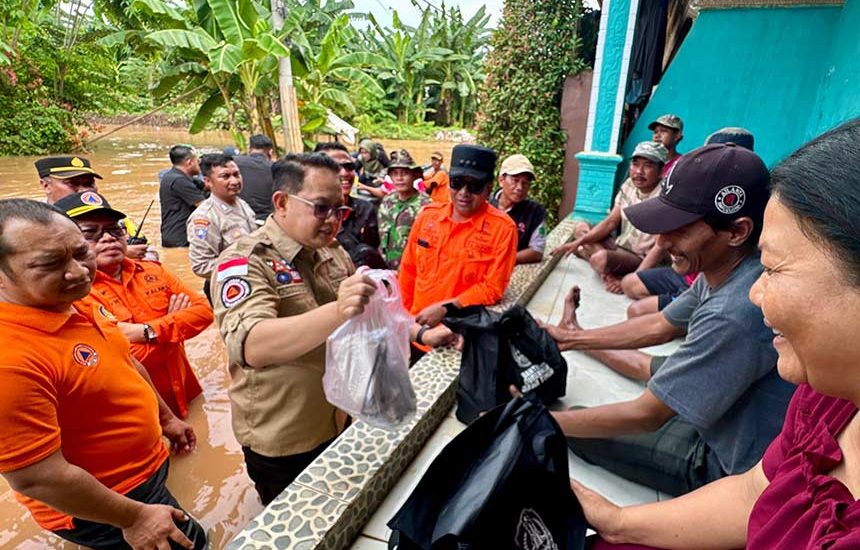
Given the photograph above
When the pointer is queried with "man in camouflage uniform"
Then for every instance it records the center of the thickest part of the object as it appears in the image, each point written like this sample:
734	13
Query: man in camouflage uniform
399	209
221	219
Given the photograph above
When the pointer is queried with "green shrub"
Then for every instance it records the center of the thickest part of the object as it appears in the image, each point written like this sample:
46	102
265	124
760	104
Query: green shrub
533	50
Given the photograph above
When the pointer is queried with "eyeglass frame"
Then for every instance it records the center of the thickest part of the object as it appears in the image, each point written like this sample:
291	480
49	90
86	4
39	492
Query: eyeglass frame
348	166
119	234
470	183
328	209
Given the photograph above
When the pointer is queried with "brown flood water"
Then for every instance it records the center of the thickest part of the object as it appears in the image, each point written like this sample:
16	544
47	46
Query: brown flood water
211	483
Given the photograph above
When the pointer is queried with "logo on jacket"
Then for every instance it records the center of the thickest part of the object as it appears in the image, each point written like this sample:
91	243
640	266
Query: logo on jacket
85	355
532	532
234	291
107	314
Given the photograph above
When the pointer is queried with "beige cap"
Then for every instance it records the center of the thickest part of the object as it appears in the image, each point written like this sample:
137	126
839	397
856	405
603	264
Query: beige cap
517	164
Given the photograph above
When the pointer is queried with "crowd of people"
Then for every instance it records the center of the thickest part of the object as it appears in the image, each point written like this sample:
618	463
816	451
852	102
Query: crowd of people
750	422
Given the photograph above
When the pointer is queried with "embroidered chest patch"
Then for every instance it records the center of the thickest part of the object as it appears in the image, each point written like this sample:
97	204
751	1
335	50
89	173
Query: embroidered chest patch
85	355
285	272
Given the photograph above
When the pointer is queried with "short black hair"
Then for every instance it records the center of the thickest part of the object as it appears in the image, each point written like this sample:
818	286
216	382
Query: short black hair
179	153
259	141
211	160
324	146
288	174
820	185
22	209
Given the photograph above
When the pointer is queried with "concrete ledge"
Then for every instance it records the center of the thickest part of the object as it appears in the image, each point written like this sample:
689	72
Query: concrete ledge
333	498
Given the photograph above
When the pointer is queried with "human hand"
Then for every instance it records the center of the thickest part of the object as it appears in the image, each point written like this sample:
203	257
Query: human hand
440	335
567	249
603	516
154	526
431	315
354	293
612	284
178	302
180	434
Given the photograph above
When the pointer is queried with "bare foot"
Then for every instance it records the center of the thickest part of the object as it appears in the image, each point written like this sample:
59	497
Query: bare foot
571	303
612	284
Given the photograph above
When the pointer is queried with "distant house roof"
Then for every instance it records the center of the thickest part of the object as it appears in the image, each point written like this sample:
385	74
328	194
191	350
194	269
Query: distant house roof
725	4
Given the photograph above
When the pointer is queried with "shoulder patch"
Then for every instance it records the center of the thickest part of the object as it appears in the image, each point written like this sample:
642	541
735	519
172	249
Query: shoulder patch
237	267
234	290
106	314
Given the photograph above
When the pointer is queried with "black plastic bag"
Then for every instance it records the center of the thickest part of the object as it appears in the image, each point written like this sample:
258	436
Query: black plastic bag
501	484
500	350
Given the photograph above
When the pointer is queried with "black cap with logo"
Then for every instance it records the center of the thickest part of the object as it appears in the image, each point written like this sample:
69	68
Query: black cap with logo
717	180
64	167
78	204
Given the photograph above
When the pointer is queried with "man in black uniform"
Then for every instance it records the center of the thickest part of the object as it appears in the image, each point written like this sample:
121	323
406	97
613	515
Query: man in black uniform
359	232
256	170
178	195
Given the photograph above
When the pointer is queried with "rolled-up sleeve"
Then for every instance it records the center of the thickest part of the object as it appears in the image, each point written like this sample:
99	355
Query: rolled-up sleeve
498	275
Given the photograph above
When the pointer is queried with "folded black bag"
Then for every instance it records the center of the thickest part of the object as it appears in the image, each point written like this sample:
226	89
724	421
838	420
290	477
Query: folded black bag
500	350
501	484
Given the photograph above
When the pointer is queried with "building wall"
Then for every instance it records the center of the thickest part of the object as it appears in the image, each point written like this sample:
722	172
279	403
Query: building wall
839	95
782	73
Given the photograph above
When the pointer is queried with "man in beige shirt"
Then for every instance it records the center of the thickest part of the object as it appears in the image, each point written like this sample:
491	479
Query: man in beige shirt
221	219
632	250
278	294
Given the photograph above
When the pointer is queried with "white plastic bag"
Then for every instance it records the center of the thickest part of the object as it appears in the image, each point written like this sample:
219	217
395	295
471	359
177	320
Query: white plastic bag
367	359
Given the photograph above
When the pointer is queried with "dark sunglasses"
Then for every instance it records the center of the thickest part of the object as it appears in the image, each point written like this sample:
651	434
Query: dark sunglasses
348	166
94	234
323	211
472	185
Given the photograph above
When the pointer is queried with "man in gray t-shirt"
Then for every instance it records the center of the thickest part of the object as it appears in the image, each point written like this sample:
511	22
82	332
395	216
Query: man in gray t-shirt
712	407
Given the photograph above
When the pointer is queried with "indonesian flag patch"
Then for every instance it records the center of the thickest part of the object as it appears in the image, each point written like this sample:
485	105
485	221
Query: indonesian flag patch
237	267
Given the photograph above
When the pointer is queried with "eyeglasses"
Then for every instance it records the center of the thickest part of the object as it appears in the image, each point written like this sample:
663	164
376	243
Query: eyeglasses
348	166
323	211
472	185
94	234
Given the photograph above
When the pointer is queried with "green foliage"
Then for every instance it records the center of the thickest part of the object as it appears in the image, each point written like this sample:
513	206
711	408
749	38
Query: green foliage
533	50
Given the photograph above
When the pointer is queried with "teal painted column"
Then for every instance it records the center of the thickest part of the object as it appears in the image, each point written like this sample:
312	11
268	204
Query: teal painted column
599	161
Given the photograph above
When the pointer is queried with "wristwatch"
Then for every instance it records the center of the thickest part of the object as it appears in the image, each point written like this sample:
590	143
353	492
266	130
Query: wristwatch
149	333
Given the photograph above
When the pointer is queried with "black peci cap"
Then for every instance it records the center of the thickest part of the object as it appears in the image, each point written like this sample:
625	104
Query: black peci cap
473	160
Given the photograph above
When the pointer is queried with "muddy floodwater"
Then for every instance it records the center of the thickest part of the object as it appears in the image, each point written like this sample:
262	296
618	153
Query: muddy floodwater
211	483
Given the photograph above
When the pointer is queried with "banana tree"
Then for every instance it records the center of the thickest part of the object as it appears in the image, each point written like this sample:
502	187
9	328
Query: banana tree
327	72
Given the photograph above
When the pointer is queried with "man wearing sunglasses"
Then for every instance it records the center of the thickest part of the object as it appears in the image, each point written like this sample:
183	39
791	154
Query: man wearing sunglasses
460	252
359	232
151	306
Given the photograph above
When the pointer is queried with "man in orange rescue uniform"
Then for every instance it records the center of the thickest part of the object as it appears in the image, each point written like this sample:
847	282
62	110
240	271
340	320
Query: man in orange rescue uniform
460	252
154	310
80	433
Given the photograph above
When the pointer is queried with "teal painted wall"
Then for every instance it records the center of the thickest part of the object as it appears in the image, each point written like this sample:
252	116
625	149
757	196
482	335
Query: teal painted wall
839	97
610	74
783	73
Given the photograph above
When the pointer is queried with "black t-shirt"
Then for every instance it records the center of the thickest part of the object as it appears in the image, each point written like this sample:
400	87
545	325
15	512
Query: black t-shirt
179	197
361	227
528	215
256	170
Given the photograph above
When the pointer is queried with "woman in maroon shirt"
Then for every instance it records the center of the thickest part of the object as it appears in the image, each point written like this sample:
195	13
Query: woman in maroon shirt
803	494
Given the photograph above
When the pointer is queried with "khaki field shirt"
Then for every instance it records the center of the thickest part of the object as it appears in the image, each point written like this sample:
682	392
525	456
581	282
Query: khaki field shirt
278	410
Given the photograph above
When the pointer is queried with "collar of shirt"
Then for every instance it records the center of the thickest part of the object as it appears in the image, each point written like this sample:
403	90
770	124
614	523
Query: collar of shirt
286	247
223	205
35	318
473	219
129	268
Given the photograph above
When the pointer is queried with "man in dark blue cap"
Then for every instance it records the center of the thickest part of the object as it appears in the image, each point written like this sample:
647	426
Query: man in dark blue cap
711	408
460	252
